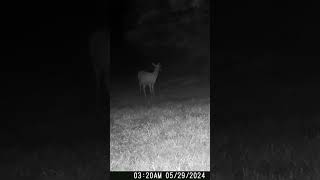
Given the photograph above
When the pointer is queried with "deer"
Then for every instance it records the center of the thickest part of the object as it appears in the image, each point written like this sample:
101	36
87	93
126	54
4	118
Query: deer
148	79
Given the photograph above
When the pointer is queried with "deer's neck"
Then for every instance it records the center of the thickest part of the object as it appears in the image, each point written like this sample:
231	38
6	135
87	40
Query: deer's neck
156	72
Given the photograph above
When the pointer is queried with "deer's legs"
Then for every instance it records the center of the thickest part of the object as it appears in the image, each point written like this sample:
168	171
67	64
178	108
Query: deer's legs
144	90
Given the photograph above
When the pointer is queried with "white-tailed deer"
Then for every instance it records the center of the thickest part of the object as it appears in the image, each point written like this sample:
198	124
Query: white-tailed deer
147	78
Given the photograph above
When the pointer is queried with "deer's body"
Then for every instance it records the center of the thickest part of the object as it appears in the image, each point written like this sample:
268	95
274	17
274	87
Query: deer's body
148	79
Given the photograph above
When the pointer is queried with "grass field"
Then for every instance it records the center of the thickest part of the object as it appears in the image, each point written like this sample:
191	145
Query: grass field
272	140
163	132
272	158
52	162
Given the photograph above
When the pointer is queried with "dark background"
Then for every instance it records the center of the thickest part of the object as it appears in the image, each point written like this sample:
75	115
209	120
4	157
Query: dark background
266	63
48	83
47	79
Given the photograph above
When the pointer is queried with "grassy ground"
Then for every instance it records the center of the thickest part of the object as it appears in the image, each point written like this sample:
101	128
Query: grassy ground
279	142
162	133
258	157
54	162
52	135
